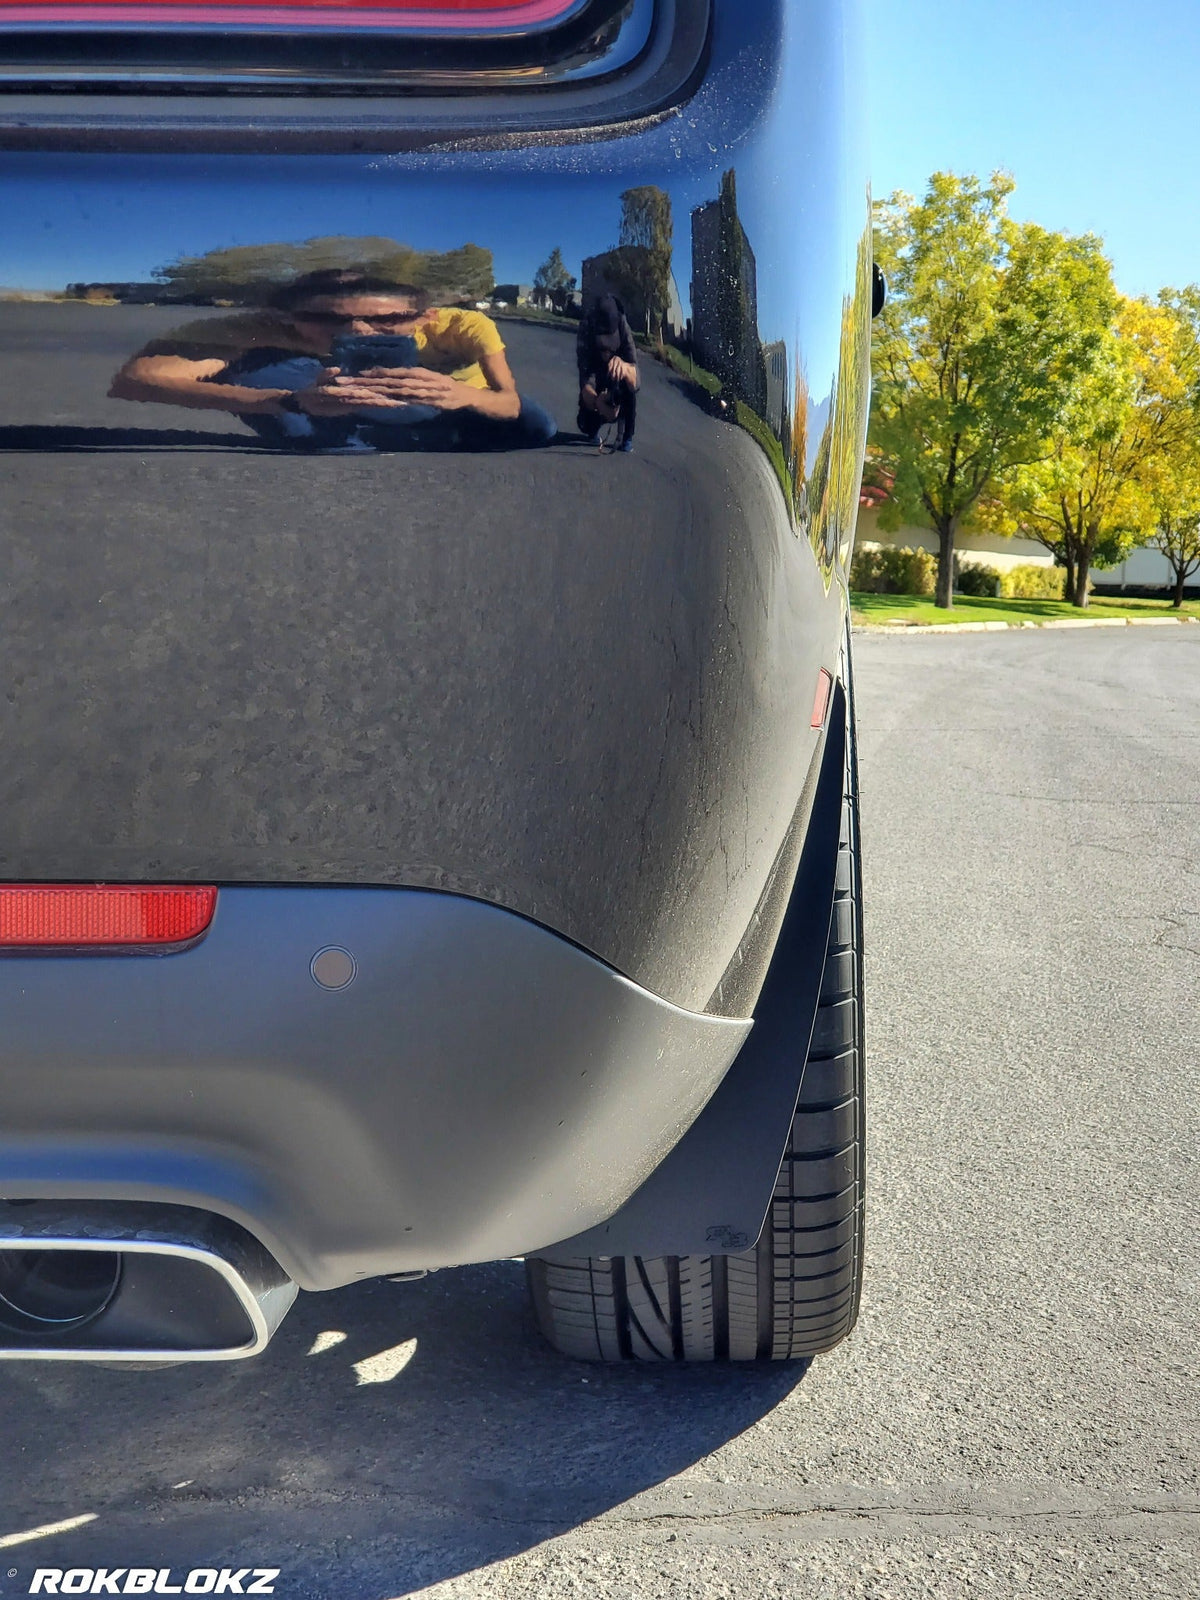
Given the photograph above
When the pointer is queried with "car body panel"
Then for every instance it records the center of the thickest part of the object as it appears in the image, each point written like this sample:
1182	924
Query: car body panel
479	1088
570	692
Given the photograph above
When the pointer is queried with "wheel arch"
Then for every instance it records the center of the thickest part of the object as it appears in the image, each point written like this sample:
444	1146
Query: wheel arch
712	1192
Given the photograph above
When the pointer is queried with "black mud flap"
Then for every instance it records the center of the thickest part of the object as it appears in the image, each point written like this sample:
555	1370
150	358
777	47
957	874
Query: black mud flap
711	1194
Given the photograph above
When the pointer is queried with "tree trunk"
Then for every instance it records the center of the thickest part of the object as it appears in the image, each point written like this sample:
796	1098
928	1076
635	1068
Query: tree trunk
1177	599
1085	545
944	593
1069	581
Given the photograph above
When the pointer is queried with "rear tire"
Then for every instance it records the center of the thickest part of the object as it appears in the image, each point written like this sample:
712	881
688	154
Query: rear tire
796	1294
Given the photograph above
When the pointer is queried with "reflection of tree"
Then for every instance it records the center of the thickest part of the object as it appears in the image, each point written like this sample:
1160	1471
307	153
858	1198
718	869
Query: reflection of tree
796	447
647	234
819	472
725	297
620	271
775	363
552	275
737	310
638	270
248	274
798	451
833	483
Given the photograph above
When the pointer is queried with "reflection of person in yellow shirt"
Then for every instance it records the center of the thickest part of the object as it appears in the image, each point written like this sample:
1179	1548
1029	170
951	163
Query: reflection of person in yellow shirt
454	342
272	369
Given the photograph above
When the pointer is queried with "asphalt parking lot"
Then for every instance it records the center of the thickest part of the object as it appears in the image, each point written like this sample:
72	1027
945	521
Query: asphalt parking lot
1017	1414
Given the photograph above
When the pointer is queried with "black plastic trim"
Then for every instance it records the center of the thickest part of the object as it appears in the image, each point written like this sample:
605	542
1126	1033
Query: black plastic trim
392	111
712	1192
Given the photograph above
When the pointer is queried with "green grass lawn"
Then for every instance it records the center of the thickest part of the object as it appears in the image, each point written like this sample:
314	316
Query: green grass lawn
879	609
682	364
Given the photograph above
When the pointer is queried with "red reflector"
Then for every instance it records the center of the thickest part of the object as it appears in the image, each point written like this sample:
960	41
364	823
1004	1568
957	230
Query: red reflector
821	702
453	16
102	913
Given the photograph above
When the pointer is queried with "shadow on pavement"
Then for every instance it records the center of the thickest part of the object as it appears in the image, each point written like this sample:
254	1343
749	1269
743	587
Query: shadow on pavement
53	438
57	439
436	1436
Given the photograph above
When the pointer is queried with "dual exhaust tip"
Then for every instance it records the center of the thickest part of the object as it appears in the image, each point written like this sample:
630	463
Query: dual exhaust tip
93	1281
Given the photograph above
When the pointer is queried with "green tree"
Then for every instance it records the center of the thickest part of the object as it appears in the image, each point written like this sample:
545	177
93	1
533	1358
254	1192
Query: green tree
990	328
552	275
242	272
1174	478
646	244
463	274
1177	534
249	274
1117	469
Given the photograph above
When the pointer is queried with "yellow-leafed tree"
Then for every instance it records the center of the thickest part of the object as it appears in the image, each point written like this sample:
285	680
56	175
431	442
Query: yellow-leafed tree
1116	471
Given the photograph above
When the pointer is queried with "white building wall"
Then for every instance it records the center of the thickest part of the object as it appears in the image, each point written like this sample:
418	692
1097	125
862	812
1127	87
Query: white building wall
989	549
1144	569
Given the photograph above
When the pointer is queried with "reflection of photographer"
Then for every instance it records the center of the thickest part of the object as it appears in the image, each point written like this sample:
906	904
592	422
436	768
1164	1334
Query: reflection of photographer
341	360
608	374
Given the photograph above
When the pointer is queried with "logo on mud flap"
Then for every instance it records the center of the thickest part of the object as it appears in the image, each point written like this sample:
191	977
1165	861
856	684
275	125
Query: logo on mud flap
729	1239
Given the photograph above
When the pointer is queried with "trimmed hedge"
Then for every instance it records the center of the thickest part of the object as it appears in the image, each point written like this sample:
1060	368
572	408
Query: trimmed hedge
893	571
1033	583
890	570
976	578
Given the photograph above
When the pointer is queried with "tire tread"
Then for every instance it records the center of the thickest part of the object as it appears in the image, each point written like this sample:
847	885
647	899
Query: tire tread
796	1294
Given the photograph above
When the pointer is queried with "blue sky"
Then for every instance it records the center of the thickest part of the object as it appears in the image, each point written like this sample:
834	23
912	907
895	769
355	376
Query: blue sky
1092	105
130	228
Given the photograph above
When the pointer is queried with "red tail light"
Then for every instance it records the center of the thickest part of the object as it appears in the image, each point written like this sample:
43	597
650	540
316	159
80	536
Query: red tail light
424	15
75	914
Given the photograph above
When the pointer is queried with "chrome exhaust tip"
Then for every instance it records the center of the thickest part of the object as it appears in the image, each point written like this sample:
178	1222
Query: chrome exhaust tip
93	1281
55	1291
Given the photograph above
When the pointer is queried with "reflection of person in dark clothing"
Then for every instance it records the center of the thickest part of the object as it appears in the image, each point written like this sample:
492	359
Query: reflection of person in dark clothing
275	370
608	374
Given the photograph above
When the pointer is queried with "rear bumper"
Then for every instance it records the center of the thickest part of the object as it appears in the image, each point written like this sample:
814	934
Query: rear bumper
480	1089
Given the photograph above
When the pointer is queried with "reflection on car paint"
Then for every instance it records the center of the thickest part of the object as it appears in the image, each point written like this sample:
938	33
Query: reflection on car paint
288	621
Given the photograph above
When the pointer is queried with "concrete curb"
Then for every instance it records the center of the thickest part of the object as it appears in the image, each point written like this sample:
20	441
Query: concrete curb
1003	627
